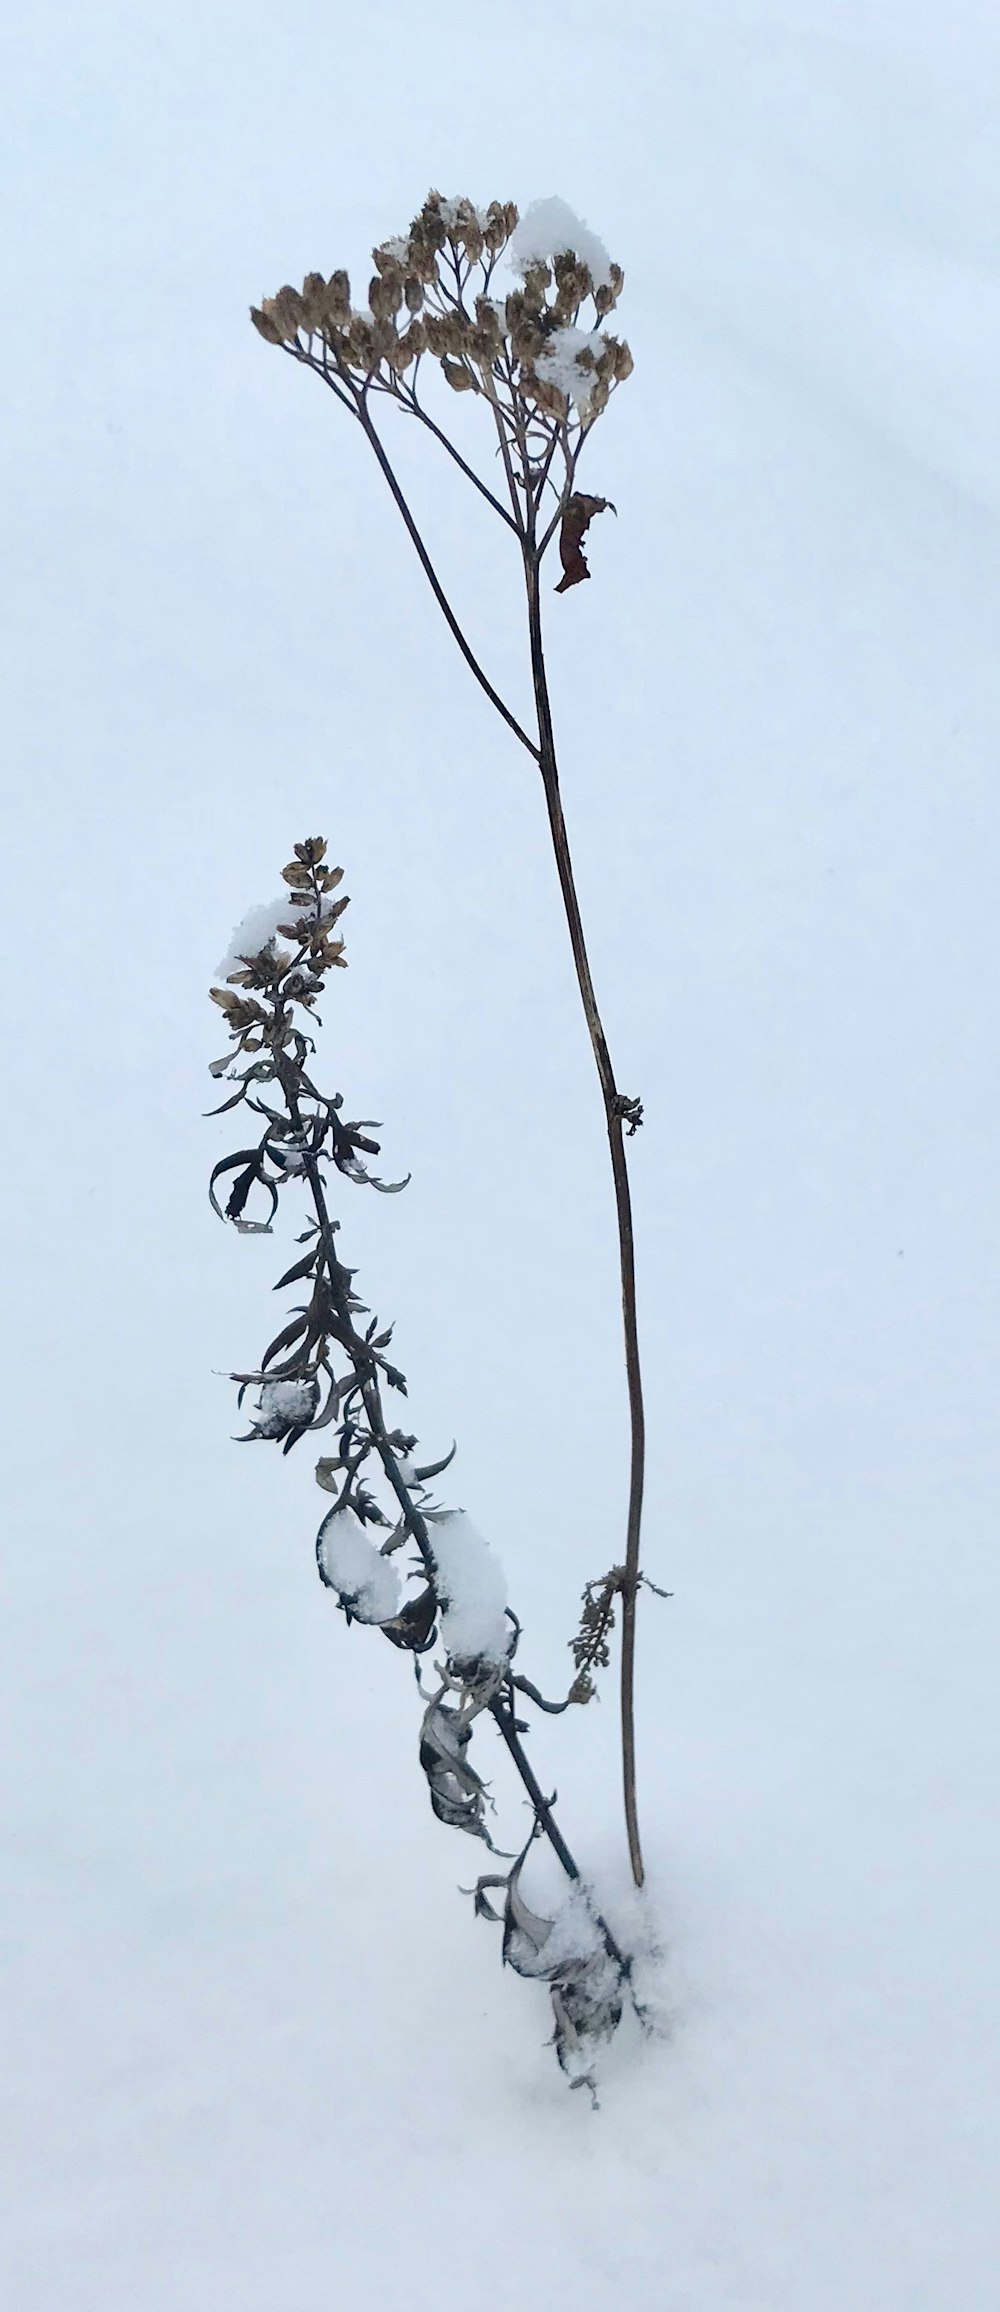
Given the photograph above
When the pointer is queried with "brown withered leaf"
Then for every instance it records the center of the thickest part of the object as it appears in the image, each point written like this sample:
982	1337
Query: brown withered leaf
576	521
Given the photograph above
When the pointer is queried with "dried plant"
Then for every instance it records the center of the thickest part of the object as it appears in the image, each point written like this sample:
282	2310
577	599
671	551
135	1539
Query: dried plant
544	367
328	1369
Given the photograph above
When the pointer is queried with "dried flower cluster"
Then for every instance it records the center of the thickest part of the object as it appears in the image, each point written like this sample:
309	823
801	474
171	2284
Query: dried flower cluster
326	1370
537	355
431	294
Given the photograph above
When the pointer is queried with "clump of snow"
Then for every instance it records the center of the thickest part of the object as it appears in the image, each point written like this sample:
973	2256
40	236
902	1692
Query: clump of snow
258	929
560	362
368	1582
452	212
472	1590
282	1404
549	229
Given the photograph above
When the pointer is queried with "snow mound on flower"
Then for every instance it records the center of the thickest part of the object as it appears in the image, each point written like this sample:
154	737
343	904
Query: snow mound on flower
368	1582
260	926
560	362
283	1403
257	929
472	1590
548	229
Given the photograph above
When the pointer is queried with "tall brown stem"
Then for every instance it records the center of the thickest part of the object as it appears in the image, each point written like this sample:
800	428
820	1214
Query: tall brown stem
616	1111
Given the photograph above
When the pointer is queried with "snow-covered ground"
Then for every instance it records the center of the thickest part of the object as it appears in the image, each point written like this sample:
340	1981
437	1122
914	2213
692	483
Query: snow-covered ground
257	2053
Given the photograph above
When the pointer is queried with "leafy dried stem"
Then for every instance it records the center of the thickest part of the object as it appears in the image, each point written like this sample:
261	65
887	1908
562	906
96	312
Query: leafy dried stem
262	999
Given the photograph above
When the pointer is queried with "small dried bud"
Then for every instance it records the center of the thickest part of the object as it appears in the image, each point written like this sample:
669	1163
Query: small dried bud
385	294
511	217
423	255
413	291
575	283
617	281
338	297
383	341
268	328
528	342
495	233
597	400
459	378
545	395
472	240
414	340
391	256
536	280
448	333
314	300
624	363
287	312
430	223
361	341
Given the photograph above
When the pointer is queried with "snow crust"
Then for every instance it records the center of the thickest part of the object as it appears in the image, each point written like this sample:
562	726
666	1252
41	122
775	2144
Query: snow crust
548	229
471	1578
367	1581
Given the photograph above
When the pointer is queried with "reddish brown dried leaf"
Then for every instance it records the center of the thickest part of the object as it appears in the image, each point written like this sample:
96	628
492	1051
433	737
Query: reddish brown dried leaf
579	513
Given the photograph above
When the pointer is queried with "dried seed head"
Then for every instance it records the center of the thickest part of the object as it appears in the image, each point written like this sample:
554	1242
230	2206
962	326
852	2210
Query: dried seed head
385	294
511	217
597	400
361	341
287	312
391	256
338	293
413	291
383	340
314	300
423	255
575	283
528	341
414	339
268	328
495	230
545	395
459	378
448	333
536	280
624	363
430	224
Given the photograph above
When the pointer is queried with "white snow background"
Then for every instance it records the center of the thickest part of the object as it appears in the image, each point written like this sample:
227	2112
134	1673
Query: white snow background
258	2055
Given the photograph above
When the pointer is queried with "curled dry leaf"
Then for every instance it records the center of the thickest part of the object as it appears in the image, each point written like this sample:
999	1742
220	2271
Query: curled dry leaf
577	517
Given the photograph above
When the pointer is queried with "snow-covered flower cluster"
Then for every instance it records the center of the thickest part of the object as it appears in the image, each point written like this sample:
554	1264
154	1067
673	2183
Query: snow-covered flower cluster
433	294
284	1406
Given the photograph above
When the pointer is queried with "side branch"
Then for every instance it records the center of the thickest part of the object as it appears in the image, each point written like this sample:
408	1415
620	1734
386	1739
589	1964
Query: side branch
437	589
